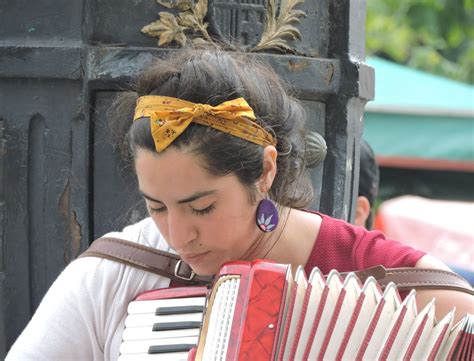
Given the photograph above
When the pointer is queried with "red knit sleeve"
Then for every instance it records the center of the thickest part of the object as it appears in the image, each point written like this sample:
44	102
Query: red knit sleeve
372	248
346	247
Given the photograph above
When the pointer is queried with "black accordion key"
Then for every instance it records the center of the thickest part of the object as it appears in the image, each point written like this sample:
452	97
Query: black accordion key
167	326
170	348
178	310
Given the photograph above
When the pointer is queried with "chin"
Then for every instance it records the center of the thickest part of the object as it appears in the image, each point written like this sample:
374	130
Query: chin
205	267
204	270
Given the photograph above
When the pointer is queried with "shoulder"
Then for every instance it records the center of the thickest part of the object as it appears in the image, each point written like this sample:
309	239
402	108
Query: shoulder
334	245
143	232
106	287
346	247
339	233
113	280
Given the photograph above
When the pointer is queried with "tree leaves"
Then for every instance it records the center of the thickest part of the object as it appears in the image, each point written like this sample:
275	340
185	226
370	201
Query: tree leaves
430	35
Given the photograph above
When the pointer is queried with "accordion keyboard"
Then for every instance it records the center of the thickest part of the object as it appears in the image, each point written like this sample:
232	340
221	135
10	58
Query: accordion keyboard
162	329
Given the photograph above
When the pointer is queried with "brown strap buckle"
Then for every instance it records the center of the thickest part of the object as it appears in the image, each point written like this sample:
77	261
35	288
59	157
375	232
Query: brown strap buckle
177	269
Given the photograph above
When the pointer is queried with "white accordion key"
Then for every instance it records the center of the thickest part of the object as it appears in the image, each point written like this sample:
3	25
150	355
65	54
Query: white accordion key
176	356
151	306
147	333
143	320
162	329
167	345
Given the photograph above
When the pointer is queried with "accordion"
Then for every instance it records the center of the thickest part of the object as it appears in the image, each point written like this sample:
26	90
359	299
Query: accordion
261	311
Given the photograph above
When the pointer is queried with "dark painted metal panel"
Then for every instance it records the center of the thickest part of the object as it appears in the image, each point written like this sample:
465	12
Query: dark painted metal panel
36	61
45	189
314	29
2	249
311	78
344	110
120	22
117	202
15	235
23	21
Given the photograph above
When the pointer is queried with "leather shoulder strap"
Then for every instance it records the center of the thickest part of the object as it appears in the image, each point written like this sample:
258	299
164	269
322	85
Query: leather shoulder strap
146	258
171	266
408	278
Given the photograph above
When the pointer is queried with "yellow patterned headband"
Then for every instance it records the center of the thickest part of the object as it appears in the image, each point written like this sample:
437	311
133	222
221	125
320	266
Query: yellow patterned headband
169	117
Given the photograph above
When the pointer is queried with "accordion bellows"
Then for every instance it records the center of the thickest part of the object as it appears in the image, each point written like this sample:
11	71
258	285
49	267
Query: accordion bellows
261	311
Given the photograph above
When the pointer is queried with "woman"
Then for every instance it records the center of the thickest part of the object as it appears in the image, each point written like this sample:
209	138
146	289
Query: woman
216	140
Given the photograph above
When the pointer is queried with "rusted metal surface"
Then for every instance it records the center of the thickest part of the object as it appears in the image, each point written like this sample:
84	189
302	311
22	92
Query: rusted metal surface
72	243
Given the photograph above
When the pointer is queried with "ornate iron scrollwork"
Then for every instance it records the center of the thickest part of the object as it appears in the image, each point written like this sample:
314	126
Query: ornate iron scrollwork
258	25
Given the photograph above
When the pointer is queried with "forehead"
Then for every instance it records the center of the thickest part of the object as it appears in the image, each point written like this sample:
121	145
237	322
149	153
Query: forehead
175	174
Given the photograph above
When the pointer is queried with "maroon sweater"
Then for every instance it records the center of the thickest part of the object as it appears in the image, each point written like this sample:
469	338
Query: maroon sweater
345	247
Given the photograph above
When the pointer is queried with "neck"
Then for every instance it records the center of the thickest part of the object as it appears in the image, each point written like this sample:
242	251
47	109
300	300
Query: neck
297	238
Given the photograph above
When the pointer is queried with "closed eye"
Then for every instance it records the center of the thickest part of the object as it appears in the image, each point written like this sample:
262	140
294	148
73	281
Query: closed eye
157	210
204	211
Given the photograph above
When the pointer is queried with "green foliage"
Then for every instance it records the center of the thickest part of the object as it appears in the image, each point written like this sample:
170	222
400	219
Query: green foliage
431	35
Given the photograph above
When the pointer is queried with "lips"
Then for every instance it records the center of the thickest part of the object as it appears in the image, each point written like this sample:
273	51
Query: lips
193	257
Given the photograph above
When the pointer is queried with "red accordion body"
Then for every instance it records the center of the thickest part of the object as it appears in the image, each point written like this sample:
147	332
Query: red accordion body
259	311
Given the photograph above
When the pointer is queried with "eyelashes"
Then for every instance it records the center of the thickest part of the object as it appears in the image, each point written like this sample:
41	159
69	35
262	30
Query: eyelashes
197	212
157	210
203	212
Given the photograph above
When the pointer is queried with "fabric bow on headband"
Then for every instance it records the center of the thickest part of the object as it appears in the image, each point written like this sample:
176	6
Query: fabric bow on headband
169	117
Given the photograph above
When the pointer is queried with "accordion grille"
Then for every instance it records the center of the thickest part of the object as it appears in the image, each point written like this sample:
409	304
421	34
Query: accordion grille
220	320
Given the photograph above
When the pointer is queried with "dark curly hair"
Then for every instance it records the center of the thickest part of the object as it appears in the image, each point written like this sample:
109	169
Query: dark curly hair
212	76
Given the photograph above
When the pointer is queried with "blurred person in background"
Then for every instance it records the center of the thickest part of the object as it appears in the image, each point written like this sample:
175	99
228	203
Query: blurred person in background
369	179
368	186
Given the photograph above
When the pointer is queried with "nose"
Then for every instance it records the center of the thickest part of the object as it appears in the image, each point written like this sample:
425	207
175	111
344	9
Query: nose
181	230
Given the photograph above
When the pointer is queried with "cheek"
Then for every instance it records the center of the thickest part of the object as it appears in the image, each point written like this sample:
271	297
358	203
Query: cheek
161	223
231	230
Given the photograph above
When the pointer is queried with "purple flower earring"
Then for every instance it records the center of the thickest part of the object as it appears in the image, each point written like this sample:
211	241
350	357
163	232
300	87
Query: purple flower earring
267	216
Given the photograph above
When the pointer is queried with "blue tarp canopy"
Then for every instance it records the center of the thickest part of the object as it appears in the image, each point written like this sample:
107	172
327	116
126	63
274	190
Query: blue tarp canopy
419	120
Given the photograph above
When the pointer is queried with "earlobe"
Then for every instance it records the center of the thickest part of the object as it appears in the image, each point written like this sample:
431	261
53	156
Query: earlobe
362	211
269	168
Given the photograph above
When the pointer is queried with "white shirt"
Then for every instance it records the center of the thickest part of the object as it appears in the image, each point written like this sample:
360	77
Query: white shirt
82	315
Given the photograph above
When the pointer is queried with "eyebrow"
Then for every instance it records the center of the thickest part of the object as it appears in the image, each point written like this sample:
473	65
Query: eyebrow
189	199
